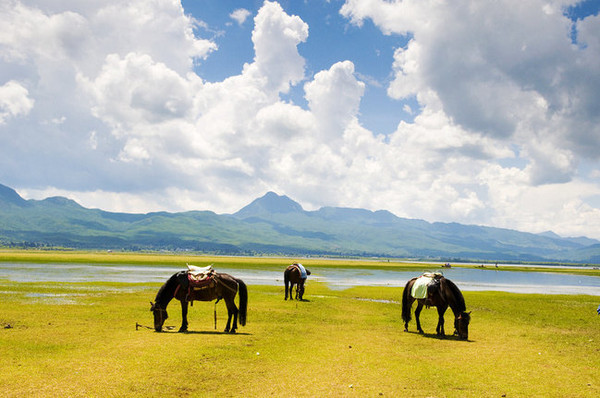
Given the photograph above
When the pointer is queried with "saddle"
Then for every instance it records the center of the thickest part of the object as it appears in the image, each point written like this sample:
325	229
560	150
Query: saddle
303	271
199	280
200	277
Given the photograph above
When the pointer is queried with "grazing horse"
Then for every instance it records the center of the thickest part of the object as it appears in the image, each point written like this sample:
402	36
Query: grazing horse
293	276
440	295
221	286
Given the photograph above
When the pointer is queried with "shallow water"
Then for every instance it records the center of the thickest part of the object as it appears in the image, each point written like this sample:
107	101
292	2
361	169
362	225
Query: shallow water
466	278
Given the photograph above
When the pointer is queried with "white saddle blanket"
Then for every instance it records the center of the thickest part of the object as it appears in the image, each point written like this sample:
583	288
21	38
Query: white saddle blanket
200	273
419	288
303	274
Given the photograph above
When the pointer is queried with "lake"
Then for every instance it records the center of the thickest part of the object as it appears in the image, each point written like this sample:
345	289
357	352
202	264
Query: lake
467	279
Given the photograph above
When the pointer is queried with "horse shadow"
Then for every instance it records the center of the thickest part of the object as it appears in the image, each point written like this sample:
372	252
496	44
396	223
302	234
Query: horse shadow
436	337
208	332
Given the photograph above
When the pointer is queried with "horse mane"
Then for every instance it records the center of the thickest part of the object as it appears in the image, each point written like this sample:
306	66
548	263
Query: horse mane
453	295
167	290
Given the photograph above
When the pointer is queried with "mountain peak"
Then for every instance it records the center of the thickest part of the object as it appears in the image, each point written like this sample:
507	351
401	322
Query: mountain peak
550	234
61	201
10	196
269	203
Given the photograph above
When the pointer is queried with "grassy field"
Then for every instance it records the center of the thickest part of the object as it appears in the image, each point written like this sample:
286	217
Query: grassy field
103	257
80	340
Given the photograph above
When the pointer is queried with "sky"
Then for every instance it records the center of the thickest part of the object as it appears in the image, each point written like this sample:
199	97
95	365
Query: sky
468	111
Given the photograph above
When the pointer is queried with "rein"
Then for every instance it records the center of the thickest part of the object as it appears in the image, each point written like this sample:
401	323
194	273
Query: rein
218	280
161	311
137	326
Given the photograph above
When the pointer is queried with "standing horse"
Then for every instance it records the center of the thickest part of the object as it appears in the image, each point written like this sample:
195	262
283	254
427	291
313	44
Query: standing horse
293	276
224	287
442	295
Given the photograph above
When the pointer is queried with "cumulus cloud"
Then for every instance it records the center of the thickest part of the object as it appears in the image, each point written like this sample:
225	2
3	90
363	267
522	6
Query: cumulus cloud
111	112
14	101
240	15
334	97
275	37
507	70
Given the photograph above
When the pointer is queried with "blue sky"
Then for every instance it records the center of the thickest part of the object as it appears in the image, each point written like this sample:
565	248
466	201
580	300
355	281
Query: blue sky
466	111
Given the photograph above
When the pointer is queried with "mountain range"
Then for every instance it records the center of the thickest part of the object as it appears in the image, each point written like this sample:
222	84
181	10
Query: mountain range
277	225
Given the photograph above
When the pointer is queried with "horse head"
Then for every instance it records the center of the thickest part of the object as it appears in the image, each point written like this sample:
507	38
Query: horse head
160	316
462	325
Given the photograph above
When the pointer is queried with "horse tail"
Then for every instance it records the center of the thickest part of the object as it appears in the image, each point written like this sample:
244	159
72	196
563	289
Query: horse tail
406	303
243	291
286	281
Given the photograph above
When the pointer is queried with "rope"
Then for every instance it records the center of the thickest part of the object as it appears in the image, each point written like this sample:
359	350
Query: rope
218	280
137	325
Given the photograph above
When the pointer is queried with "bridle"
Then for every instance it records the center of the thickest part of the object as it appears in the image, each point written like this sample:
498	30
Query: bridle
156	308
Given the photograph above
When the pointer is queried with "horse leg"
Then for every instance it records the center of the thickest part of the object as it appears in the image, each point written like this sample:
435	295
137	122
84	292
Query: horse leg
440	327
228	321
232	312
286	290
184	311
417	313
409	304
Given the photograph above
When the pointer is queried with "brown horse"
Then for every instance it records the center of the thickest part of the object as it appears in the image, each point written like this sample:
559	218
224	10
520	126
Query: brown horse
440	295
221	286
293	276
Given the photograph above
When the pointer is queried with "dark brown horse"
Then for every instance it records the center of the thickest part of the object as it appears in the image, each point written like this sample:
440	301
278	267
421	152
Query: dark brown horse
221	286
441	294
293	276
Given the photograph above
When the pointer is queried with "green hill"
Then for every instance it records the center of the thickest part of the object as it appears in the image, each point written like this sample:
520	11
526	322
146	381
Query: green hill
276	224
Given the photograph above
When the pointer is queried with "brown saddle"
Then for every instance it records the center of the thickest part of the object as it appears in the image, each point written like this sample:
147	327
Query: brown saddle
197	282
207	281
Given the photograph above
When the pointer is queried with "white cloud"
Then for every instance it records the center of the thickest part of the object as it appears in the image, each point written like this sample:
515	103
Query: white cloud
240	15
504	69
136	89
334	98
275	37
14	101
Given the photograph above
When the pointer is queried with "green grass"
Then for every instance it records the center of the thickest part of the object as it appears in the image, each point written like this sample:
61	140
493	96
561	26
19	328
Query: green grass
80	340
152	258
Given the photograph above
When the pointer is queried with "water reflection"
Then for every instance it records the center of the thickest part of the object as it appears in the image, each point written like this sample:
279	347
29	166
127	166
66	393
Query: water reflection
466	278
